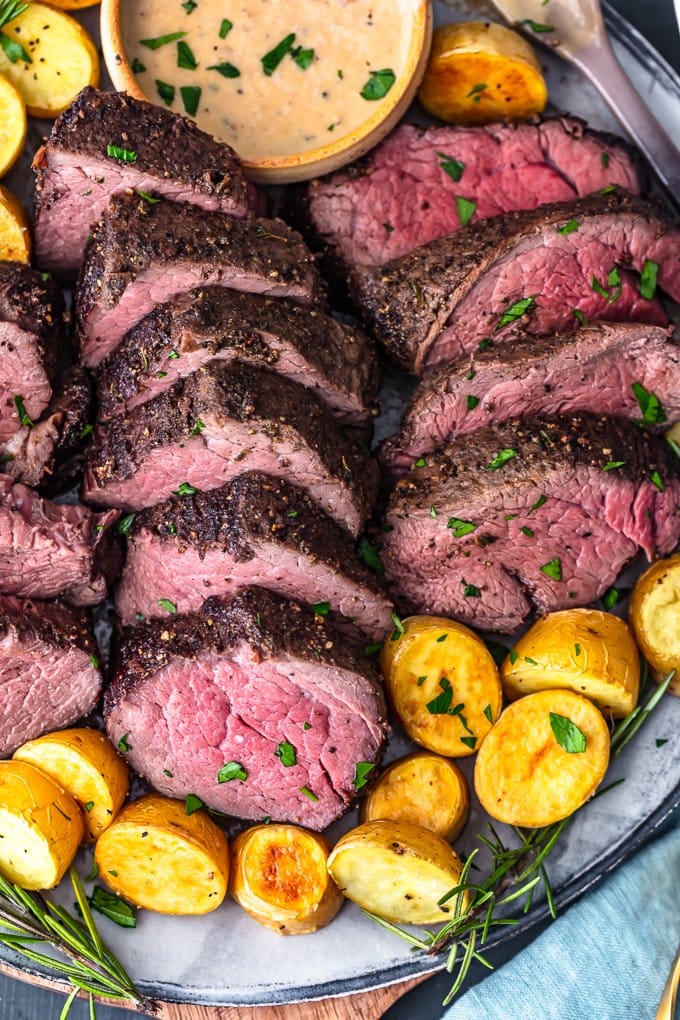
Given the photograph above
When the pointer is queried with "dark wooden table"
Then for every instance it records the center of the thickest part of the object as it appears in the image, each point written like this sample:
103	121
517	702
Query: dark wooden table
19	1001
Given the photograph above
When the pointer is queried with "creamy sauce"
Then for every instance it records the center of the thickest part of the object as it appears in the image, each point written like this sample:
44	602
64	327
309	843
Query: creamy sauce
575	23
296	108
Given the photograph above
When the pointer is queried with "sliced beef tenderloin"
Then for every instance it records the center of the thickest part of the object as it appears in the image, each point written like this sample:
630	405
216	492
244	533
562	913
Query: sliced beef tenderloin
141	253
219	423
255	530
49	669
539	514
52	549
525	270
627	369
32	321
405	192
335	361
108	142
256	683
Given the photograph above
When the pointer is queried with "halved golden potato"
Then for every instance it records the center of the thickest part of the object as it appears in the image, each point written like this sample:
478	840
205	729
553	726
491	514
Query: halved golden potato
424	789
62	59
40	825
397	871
655	618
15	230
480	72
279	876
72	5
585	650
159	857
443	683
86	763
12	125
524	773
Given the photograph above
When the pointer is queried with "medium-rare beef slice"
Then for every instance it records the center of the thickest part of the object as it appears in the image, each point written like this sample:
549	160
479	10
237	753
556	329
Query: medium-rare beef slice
83	163
404	193
233	683
524	270
335	361
32	329
255	530
539	514
52	549
49	669
140	254
607	368
221	422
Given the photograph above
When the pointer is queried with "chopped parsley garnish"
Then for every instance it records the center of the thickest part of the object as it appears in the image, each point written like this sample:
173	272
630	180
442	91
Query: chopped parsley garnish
470	591
184	490
165	91
656	480
475	93
185	57
611	597
124	155
190	6
198	428
226	69
648	277
321	608
500	459
527	531
173	355
123	743
420	463
469	742
660	741
567	734
192	803
113	907
553	569
24	418
191	97
162	40
89	806
470	375
514	656
453	167
125	523
433	513
292	513
137	66
361	771
613	281
536	26
466	210
270	61
308	794
471	402
612	465
225	28
539	503
378	84
168	773
604	159
489	714
579	316
168	606
460	527
441	704
95	661
13	49
569	227
234	770
399	627
286	754
442	637
373	648
609	189
307	726
532	662
650	405
370	554
420	681
577	648
302	58
151	199
516	311
484	344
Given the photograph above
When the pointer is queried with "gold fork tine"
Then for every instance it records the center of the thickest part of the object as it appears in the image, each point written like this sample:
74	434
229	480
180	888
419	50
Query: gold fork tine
666	1010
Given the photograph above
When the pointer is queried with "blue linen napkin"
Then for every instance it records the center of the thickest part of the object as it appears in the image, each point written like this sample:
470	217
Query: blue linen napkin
606	958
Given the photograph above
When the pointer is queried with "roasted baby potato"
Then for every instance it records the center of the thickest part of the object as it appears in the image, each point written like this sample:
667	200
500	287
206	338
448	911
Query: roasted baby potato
480	72
655	618
159	857
72	5
443	683
397	871
86	764
279	876
423	789
585	650
40	825
12	125
543	759
15	233
53	59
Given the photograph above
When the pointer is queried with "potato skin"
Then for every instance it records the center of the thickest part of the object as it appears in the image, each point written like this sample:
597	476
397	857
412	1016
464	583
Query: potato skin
522	775
423	789
12	125
160	858
279	876
655	618
467	54
41	826
397	871
15	229
88	766
584	650
432	651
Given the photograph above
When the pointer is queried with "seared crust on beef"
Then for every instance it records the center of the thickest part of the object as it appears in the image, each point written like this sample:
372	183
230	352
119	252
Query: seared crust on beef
52	622
36	305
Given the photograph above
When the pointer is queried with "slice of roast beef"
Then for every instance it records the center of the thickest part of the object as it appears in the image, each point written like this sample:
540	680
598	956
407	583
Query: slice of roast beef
219	423
540	514
629	369
255	530
54	549
257	684
32	321
335	361
108	142
525	270
405	192
49	669
141	253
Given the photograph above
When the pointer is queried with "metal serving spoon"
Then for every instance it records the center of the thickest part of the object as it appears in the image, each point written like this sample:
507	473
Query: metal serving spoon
578	34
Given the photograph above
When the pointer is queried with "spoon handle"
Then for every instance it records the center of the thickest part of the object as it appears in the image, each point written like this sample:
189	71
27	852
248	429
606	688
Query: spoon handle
597	61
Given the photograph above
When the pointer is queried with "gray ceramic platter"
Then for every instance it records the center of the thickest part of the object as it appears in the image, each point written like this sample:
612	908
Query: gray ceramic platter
226	958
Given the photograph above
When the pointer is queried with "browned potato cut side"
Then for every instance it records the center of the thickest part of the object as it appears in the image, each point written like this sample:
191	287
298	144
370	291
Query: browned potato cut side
655	619
15	230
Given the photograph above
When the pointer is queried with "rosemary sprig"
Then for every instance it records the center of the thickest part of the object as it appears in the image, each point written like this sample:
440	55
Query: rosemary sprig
11	9
12	48
516	872
31	920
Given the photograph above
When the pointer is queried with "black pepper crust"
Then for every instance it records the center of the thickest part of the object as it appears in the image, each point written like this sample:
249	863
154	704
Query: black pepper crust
50	622
36	305
271	624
